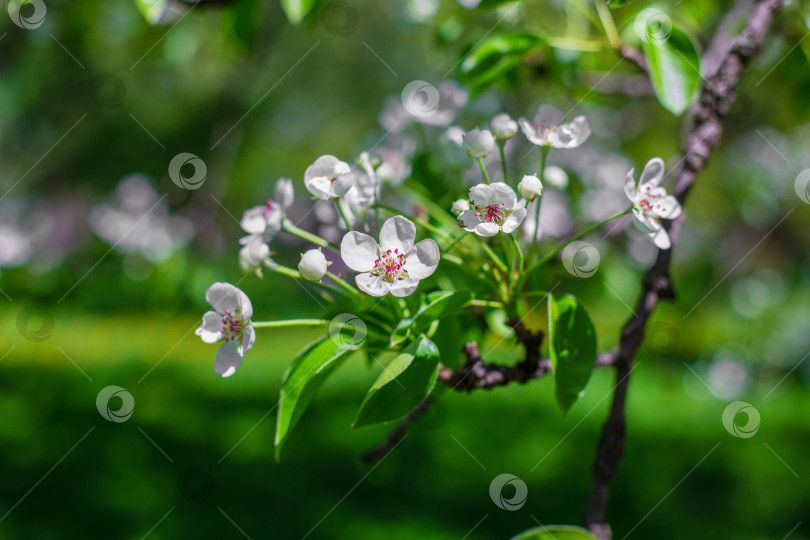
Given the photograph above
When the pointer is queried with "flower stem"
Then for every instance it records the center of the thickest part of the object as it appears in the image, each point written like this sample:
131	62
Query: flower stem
533	245
342	283
562	246
483	170
497	260
308	236
518	251
607	23
295	274
291	322
452	244
501	145
343	214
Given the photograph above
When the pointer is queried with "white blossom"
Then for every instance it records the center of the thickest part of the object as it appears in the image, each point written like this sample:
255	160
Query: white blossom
503	127
460	206
396	264
478	143
328	178
229	322
284	193
263	220
530	187
494	208
651	202
547	128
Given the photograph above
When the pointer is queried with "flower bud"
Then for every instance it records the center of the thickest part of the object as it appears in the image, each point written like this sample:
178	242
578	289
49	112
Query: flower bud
503	126
284	194
478	143
555	177
530	188
461	205
313	265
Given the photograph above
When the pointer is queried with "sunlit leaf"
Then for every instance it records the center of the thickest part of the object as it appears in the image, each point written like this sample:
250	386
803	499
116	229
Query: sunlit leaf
439	307
572	346
673	63
406	381
296	10
497	55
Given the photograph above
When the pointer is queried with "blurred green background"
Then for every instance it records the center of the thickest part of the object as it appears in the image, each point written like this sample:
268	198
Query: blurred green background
96	94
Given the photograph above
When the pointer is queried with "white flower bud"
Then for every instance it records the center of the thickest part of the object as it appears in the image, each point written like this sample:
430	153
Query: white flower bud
313	265
455	134
478	143
530	188
461	205
284	193
503	126
555	177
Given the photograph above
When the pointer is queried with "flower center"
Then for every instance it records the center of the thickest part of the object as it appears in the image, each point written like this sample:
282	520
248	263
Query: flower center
646	201
390	265
269	209
492	213
232	325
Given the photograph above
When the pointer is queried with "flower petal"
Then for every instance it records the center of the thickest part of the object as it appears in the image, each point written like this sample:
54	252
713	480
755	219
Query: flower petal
244	304
319	186
482	195
548	116
253	221
404	287
572	134
486	229
210	328
228	359
323	166
511	223
667	207
223	297
470	219
248	339
371	284
504	195
653	173
359	251
422	259
644	223
342	184
630	185
397	233
660	238
531	133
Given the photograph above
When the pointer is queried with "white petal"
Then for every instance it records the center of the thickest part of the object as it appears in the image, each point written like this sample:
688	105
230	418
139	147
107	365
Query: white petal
253	221
486	229
397	233
422	259
504	195
404	287
470	219
572	134
319	186
630	185
228	359
548	116
530	132
244	304
645	223
482	195
284	193
511	223
342	184
323	166
660	238
652	174
359	251
223	297
210	329
371	284
248	339
667	207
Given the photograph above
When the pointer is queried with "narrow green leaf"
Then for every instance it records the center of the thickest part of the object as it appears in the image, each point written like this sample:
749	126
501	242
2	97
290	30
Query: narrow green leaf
439	307
404	383
296	10
495	56
673	63
302	381
152	10
555	532
572	346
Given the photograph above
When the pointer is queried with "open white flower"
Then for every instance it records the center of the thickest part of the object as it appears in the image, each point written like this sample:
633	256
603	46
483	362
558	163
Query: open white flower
530	187
254	254
460	206
263	220
494	208
328	177
548	128
396	264
284	193
478	143
651	202
313	264
503	127
229	321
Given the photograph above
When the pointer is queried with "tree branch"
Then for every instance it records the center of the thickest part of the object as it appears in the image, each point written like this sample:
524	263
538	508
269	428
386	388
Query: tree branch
716	98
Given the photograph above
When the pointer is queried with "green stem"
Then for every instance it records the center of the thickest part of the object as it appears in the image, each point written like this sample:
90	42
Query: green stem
295	274
308	236
492	255
606	19
485	303
342	283
533	245
291	322
483	170
423	223
518	251
452	244
562	246
343	214
501	145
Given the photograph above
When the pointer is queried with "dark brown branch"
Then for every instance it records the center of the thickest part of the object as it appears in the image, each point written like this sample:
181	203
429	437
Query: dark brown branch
376	454
716	98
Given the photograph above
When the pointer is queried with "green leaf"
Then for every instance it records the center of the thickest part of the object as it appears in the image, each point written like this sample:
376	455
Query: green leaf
296	10
240	21
449	338
613	4
152	10
403	385
401	332
302	381
439	307
673	63
495	56
555	532
572	346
